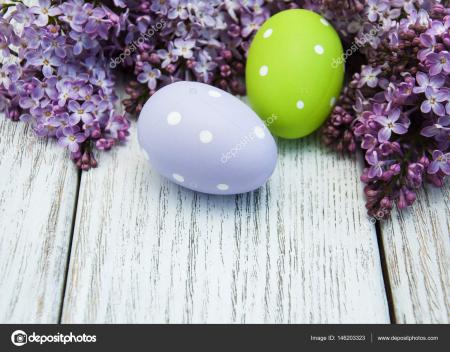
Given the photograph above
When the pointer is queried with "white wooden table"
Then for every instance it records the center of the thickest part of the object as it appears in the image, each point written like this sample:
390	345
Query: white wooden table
119	244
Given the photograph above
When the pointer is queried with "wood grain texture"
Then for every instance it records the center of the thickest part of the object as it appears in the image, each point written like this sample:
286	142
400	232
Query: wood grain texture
38	185
417	249
300	249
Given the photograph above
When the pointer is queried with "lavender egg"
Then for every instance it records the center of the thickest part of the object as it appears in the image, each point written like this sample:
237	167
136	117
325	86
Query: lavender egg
205	139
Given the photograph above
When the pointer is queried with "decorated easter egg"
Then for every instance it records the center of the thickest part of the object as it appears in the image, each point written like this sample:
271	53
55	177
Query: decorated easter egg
295	72
205	139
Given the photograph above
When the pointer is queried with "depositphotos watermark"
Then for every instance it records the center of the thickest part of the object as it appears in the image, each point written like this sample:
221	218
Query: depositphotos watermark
135	43
257	132
357	44
20	338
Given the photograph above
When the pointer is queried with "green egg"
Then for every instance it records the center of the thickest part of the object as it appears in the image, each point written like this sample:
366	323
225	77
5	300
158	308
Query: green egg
294	72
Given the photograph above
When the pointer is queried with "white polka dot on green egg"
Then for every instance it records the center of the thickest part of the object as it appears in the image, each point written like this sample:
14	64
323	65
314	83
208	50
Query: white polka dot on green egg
319	49
324	22
264	70
268	33
292	76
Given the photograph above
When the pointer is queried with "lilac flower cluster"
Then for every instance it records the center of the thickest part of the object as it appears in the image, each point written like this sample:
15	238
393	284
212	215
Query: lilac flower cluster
54	74
206	41
397	107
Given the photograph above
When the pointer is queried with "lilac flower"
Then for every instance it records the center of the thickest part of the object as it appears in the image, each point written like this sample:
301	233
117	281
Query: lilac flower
376	168
55	45
428	43
29	40
375	8
46	86
82	41
168	55
424	82
434	100
159	6
4	47
65	91
97	24
441	162
408	5
178	10
61	84
99	79
149	75
369	142
438	62
251	24
390	125
71	138
22	14
369	76
73	14
204	66
438	28
439	129
80	112
44	59
184	48
8	75
44	10
388	15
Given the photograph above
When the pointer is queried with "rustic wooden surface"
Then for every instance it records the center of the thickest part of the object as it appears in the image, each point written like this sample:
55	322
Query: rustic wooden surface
38	186
416	243
301	249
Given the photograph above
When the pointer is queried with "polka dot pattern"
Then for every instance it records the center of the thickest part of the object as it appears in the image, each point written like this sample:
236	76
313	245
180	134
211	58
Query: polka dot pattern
259	132
214	94
222	187
267	33
300	104
205	137
324	22
178	178
174	118
332	101
263	71
193	136
319	49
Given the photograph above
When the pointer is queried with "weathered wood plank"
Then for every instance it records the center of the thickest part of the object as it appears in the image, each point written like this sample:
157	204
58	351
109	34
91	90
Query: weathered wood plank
417	249
300	249
38	185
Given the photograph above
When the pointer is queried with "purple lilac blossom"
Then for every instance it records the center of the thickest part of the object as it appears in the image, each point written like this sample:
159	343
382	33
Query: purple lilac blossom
396	106
60	82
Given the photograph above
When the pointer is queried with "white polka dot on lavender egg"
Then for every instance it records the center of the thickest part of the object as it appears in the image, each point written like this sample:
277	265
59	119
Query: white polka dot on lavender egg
178	177
205	136
259	132
214	94
222	187
173	118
